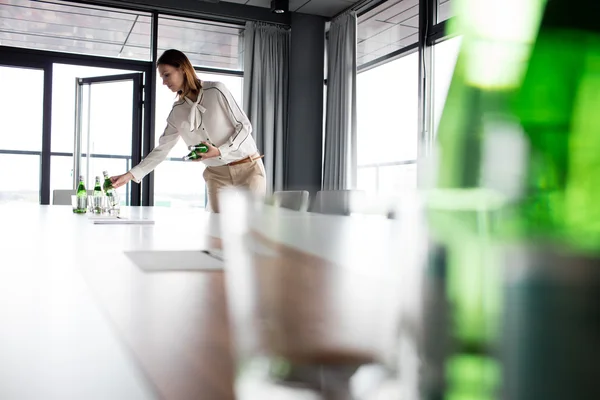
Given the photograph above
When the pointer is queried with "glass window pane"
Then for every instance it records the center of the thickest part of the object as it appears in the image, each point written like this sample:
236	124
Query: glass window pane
63	101
366	180
395	179
388	101
110	118
61	173
445	10
234	83
206	44
388	27
21	125
444	60
72	28
22	187
179	184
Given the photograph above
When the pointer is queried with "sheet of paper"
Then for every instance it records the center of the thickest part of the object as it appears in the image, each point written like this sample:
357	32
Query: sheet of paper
108	220
96	217
175	260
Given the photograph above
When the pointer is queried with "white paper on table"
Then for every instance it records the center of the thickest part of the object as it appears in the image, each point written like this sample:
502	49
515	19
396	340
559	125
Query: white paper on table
114	220
175	260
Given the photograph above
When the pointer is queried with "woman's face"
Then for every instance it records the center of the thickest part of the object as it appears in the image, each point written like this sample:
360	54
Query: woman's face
171	77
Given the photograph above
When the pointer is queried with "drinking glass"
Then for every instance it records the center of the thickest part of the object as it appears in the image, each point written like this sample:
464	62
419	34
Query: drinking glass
314	302
79	204
97	204
113	205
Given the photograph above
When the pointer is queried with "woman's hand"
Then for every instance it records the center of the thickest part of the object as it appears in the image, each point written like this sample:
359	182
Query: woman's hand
120	180
211	153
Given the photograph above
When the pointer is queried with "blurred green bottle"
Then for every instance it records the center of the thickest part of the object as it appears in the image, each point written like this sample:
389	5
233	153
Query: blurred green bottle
518	161
482	150
196	152
558	106
551	298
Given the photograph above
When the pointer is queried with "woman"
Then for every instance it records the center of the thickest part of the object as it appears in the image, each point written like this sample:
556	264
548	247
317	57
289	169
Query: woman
204	113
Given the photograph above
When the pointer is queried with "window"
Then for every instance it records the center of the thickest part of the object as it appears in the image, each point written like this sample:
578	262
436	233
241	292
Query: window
22	186
387	98
63	101
387	101
21	141
72	28
445	10
206	44
21	125
110	144
178	183
444	60
386	29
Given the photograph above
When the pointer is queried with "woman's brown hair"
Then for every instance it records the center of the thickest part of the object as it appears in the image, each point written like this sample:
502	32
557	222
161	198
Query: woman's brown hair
176	59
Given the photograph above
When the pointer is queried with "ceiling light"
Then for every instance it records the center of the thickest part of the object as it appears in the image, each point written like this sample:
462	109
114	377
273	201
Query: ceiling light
279	6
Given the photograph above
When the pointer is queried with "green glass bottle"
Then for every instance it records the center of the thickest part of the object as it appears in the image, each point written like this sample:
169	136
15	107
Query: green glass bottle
109	190
97	196
518	166
81	195
196	152
463	311
552	303
97	187
558	108
107	186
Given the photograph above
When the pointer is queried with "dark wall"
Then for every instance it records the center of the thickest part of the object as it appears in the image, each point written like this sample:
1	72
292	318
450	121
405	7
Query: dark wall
305	136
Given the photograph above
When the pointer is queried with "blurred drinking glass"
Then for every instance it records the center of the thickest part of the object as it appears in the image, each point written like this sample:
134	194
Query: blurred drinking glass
315	301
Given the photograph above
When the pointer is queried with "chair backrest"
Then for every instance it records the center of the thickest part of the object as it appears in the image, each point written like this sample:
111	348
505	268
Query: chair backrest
338	202
62	197
294	199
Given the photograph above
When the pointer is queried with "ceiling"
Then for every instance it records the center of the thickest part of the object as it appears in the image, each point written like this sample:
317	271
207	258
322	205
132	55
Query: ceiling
324	8
388	27
104	31
391	26
60	26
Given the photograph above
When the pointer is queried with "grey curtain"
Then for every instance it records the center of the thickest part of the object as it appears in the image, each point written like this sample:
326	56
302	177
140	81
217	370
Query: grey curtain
339	164
266	64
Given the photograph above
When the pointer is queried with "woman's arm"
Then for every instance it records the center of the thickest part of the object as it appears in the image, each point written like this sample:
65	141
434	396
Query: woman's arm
243	127
166	142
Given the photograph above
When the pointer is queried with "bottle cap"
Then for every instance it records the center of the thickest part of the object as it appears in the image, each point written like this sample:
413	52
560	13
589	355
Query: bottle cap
192	147
105	173
185	158
80	177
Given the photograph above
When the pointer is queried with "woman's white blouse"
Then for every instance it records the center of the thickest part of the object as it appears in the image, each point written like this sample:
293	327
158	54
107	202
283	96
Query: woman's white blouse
215	118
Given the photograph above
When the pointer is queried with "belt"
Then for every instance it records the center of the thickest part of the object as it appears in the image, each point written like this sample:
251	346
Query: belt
245	160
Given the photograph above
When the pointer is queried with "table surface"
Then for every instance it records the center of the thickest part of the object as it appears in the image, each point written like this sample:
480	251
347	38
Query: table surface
80	320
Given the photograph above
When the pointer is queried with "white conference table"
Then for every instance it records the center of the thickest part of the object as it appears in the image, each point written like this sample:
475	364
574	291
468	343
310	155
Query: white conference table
81	321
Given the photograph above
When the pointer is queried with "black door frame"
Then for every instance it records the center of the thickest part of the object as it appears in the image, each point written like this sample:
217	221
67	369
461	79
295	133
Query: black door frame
136	120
